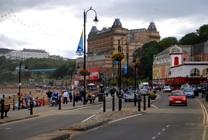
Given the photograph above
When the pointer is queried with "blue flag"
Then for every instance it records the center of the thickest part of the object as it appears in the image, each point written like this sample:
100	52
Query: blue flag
80	47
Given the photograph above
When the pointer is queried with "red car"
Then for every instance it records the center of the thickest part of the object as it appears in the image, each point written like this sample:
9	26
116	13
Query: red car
177	97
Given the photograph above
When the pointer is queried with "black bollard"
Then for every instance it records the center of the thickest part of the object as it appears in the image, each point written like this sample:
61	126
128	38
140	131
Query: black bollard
113	102
2	108
148	101
144	101
31	107
134	99
104	103
13	102
119	103
19	101
59	102
139	103
73	100
206	96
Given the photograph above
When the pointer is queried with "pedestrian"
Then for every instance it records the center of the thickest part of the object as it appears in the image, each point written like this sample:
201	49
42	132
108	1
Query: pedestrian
49	95
65	97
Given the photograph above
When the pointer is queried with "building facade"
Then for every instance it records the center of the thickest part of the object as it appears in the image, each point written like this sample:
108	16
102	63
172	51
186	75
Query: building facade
103	43
26	54
181	64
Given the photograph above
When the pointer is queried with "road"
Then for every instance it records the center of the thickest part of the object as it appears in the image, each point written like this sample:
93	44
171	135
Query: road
161	123
27	128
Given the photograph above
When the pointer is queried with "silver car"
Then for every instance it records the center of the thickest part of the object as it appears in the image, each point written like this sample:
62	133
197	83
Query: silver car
189	92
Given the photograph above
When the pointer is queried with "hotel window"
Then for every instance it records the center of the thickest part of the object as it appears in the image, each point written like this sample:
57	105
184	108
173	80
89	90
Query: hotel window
176	61
205	72
195	72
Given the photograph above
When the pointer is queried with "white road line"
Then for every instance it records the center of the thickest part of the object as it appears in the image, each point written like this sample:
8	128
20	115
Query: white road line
163	129
154	106
124	118
153	138
158	133
167	126
7	128
88	118
205	119
204	112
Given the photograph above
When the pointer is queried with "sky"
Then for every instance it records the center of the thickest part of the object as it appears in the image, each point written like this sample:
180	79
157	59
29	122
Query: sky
56	25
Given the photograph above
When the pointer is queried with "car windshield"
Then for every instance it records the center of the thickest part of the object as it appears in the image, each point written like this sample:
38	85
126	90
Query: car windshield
188	90
177	93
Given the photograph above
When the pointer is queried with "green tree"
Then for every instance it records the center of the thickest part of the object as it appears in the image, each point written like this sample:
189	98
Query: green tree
66	69
167	42
145	57
189	39
203	33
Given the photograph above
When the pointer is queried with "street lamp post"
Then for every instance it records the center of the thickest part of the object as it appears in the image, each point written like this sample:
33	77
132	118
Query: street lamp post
119	77
84	66
135	84
19	85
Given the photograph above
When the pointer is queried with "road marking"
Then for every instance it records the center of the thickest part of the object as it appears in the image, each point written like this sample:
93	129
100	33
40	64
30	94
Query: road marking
204	112
124	118
8	128
88	118
154	106
153	138
158	133
205	119
163	129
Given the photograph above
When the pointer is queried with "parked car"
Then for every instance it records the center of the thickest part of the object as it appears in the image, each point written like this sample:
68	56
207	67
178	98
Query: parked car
177	97
129	96
167	89
189	92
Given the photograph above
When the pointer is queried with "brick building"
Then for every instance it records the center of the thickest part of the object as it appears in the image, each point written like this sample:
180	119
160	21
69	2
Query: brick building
102	44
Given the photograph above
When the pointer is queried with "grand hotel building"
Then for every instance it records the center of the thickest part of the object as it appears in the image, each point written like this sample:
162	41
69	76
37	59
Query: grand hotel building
103	43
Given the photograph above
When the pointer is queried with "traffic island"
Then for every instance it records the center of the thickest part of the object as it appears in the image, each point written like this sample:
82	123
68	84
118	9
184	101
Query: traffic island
94	121
100	119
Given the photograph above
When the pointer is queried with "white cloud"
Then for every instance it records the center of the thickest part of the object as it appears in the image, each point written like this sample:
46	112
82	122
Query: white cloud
56	25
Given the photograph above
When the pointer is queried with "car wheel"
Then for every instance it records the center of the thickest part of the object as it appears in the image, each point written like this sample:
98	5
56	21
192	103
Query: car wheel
185	104
125	100
170	104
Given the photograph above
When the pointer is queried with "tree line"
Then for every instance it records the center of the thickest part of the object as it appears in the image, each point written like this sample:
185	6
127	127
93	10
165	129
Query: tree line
9	72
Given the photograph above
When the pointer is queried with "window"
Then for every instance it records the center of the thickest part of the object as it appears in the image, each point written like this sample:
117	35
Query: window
205	72
195	72
176	61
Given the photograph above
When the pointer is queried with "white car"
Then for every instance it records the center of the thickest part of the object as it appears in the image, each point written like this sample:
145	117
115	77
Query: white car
167	89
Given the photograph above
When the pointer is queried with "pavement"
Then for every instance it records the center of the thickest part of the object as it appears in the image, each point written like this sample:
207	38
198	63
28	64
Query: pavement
43	111
94	121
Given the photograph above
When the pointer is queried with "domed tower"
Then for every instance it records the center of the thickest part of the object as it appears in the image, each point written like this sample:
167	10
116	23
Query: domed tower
117	23
93	30
152	27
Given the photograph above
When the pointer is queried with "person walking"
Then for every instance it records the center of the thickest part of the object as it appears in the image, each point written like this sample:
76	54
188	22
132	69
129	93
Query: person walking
49	95
65	97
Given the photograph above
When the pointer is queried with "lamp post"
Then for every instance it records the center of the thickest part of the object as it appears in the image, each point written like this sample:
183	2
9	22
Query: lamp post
135	83
84	66
19	85
119	76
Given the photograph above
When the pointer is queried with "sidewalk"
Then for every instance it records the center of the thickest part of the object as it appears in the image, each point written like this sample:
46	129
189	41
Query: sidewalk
16	115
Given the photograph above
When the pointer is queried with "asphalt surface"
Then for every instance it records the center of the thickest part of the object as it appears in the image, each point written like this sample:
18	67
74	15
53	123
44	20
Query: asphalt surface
161	123
24	129
29	128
